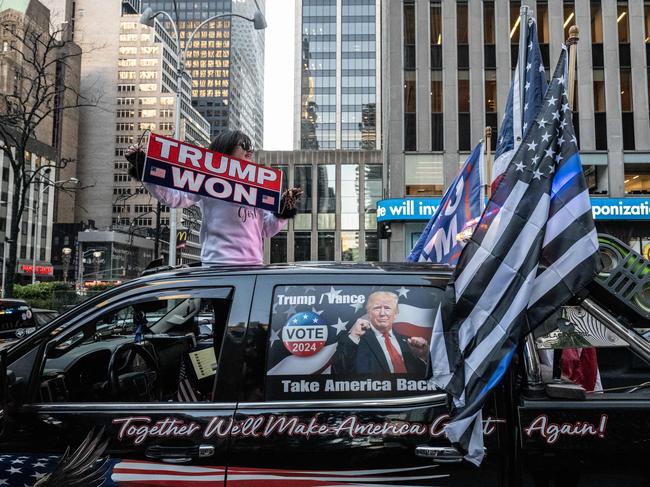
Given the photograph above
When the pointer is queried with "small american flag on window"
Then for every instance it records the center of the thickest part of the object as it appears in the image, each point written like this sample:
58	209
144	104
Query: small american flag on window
158	172
268	200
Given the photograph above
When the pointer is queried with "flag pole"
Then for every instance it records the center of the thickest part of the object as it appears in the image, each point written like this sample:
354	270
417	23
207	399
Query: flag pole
572	44
521	63
488	164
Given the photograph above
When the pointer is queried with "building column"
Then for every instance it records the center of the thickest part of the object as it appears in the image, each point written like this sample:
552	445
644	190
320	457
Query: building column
504	72
585	77
314	211
291	242
639	75
616	167
555	31
476	70
337	217
450	91
423	74
378	71
393	128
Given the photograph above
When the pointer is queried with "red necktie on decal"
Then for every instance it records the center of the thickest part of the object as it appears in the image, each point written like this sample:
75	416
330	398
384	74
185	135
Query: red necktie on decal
395	357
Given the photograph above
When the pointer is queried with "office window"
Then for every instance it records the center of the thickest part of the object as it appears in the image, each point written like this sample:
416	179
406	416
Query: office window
350	196
349	246
302	246
279	248
302	179
436	36
569	17
462	23
490	91
373	193
410	139
409	36
326	196
623	23
325	245
596	23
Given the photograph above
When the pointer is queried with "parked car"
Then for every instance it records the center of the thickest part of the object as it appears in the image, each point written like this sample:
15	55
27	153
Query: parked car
16	319
248	377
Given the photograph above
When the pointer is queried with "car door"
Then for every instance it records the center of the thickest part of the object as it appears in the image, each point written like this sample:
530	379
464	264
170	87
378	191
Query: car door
304	419
571	437
165	441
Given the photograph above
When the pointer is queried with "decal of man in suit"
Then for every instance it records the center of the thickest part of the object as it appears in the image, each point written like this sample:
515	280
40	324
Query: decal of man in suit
372	347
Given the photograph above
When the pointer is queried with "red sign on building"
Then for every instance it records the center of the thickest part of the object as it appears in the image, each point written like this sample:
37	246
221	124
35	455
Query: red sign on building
39	270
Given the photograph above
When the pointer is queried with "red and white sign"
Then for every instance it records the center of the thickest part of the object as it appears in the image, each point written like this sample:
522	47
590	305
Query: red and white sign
39	270
178	165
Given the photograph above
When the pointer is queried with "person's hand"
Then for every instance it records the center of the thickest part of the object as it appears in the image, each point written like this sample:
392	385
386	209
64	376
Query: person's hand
136	156
288	203
419	347
359	328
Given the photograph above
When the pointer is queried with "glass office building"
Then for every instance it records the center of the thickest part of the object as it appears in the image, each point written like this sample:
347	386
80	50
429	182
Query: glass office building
226	61
338	75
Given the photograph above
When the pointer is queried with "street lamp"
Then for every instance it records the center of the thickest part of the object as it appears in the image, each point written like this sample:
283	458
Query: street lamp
147	18
66	254
36	207
97	254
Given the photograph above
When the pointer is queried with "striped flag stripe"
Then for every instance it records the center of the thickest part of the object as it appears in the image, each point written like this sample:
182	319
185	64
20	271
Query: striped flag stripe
566	215
515	307
158	477
183	469
491	238
439	359
552	275
506	272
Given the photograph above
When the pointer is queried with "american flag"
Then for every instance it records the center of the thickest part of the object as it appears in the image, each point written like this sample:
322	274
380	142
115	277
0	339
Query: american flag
158	172
512	129
535	246
268	200
25	470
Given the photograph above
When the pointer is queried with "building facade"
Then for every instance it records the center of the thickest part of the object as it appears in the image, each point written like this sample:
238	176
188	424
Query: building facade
56	140
133	66
226	61
447	69
336	217
338	75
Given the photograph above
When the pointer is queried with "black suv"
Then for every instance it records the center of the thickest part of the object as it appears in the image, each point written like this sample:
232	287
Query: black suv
307	375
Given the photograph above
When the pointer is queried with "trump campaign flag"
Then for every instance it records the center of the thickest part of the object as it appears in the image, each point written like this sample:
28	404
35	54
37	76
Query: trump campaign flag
460	205
535	247
517	120
175	164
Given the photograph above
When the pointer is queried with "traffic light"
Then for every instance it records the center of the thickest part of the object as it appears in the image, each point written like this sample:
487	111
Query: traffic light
384	230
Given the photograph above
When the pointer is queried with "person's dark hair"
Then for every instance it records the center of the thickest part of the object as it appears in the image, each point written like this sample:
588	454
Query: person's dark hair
228	140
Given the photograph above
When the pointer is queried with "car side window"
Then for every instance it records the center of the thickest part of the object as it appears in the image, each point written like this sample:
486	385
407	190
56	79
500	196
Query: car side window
349	342
155	348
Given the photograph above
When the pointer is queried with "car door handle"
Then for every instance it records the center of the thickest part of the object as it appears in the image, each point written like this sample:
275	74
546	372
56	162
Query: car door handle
439	454
178	454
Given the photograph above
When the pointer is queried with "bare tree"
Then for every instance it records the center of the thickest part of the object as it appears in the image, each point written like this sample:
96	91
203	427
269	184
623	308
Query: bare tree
35	94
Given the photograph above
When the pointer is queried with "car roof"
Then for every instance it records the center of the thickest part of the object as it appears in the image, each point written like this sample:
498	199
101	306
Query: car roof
12	302
297	268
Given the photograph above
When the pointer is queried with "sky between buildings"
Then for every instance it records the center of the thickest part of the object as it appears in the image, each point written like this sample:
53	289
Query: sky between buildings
279	74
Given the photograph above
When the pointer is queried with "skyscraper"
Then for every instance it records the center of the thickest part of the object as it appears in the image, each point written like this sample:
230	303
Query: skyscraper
226	61
338	75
